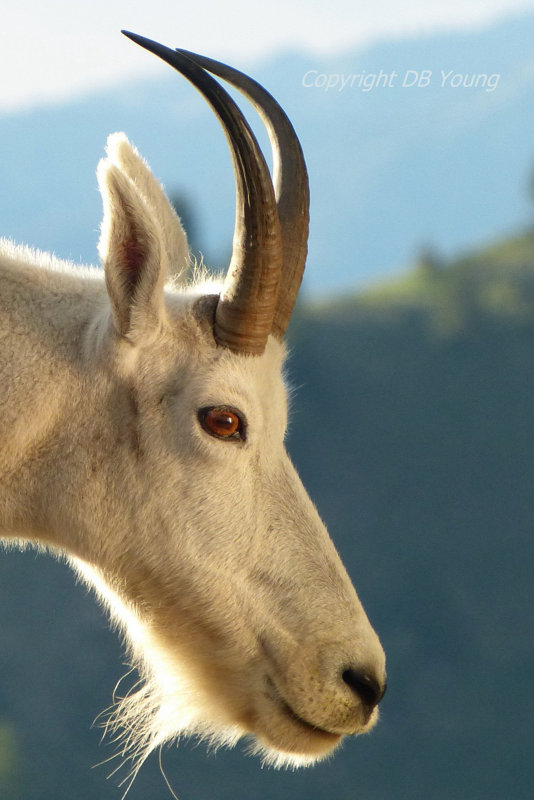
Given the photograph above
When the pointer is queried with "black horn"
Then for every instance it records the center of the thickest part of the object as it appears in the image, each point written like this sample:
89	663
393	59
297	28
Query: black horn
246	307
290	179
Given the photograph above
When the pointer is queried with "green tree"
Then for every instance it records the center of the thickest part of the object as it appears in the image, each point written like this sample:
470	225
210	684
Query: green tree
8	760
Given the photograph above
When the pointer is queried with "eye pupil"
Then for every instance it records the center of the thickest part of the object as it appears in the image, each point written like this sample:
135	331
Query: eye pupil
223	421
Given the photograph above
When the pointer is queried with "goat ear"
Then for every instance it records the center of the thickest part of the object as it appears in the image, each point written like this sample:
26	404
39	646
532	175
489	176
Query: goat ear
132	254
122	153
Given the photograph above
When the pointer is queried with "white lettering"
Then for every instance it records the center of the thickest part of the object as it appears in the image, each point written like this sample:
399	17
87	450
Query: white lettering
470	80
411	76
445	77
332	81
304	77
367	81
344	81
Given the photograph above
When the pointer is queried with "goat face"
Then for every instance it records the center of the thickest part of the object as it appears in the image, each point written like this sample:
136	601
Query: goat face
202	539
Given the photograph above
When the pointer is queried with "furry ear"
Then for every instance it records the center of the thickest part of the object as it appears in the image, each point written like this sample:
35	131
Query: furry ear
133	256
122	153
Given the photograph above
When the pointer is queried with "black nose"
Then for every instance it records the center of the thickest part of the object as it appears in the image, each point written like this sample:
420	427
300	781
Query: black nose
368	689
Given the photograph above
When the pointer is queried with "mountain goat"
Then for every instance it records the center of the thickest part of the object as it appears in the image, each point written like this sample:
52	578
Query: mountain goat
142	431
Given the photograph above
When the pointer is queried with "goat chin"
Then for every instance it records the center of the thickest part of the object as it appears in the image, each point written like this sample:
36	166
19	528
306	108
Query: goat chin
144	720
183	693
174	702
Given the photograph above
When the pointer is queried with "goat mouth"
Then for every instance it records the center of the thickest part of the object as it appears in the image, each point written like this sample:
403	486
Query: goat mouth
275	696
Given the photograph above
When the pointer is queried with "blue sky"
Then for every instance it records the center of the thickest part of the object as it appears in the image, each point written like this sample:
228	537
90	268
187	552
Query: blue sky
54	50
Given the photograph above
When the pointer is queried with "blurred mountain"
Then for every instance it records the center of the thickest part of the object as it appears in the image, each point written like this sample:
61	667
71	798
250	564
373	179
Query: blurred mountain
413	430
392	166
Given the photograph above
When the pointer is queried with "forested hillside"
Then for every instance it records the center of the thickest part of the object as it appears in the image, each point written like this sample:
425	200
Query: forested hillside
413	429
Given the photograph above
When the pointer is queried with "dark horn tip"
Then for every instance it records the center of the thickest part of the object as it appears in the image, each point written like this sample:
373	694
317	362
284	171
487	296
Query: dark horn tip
148	44
140	40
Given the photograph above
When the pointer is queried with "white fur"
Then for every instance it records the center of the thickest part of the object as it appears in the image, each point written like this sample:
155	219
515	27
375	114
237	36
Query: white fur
208	554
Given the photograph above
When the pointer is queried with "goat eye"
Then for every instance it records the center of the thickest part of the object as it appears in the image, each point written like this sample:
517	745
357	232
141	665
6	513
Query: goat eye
222	422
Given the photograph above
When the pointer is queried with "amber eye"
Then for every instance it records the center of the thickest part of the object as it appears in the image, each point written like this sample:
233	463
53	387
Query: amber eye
222	422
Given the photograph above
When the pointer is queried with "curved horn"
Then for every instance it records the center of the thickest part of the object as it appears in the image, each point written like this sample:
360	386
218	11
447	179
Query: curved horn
290	179
246	306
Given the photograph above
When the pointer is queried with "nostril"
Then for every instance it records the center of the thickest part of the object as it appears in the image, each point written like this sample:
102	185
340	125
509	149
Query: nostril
368	689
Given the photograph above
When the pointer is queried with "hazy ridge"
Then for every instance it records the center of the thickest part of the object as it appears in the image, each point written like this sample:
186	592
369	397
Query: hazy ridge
391	168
